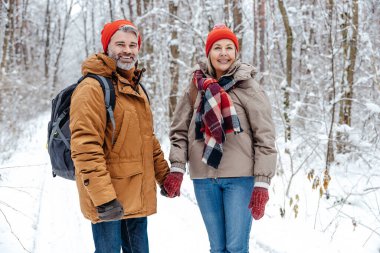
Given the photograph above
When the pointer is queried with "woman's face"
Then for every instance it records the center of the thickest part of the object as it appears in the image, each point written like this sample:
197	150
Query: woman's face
222	55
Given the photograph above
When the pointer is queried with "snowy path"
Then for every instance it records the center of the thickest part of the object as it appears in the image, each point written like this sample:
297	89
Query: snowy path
62	228
177	227
41	214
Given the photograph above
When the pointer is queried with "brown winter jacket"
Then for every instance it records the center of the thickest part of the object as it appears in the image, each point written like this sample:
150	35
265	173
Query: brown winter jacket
129	168
250	153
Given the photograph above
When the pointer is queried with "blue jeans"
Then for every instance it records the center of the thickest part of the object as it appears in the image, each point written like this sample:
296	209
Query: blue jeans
130	235
223	203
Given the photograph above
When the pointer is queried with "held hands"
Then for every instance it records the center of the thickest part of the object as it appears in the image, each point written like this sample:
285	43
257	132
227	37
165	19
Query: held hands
258	201
172	185
110	211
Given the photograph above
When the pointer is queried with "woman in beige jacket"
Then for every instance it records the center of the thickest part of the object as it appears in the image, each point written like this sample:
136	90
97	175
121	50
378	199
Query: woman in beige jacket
227	137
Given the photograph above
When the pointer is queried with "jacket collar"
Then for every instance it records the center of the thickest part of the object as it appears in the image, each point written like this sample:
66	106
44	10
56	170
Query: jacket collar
240	71
103	65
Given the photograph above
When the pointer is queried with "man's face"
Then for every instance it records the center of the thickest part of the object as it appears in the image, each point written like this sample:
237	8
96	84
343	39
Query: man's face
123	48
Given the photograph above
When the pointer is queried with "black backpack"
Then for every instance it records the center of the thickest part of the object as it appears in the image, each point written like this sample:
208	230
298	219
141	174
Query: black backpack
59	130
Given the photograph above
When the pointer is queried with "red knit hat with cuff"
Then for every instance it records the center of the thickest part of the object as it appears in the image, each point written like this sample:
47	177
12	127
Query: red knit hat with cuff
109	30
219	32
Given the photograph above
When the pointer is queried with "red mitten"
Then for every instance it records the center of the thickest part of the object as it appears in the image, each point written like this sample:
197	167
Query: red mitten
172	184
258	201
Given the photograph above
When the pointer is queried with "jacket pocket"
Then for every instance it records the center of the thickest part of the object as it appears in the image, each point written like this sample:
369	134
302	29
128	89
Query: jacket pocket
122	132
127	180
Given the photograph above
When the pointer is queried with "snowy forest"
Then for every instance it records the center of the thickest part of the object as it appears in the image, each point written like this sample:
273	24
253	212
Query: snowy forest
318	61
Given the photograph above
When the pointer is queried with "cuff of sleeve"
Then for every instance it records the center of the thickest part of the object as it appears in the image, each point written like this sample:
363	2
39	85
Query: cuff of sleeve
176	169
262	185
263	179
178	165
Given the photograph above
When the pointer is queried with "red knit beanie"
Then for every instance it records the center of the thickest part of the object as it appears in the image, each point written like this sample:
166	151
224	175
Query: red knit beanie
219	32
109	30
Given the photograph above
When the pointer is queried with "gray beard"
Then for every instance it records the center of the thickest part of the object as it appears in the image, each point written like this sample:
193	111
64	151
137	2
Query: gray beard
119	64
125	66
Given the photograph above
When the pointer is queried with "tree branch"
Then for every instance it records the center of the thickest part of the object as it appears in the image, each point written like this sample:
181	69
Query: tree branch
13	233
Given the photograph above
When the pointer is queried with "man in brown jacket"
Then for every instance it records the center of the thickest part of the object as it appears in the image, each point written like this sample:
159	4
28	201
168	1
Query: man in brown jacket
117	167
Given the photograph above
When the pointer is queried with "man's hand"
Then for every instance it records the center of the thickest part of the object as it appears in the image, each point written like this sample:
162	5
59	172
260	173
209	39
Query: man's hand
110	211
172	184
258	201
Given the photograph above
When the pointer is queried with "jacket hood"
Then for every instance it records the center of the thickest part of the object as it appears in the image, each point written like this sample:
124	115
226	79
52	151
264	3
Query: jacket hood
99	64
240	71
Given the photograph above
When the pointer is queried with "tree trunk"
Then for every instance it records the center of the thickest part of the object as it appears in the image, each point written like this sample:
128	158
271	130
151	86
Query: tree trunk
352	62
276	41
330	157
174	54
25	57
227	16
1	11
206	6
303	44
255	25
312	40
7	36
262	29
148	53
93	31
122	8
238	24
148	46
47	40
289	61
112	10
61	44
349	54
131	16
11	58
18	41
85	34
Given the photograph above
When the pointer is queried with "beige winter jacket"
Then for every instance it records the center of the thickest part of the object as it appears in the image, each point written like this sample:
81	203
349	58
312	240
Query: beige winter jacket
250	153
127	169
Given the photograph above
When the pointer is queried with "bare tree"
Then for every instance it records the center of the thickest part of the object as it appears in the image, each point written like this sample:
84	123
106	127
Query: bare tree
61	40
237	19
7	56
330	142
112	9
85	30
232	17
122	9
148	43
350	52
255	36
47	39
227	16
289	63
351	67
24	29
262	32
206	9
174	55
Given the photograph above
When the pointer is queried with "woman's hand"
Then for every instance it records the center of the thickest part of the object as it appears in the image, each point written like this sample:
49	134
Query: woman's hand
258	201
172	184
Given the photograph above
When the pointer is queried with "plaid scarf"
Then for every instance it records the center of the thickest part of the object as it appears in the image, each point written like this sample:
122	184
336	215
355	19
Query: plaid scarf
215	117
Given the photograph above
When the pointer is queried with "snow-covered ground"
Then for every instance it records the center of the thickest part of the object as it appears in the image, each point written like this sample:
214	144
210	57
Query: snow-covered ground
39	213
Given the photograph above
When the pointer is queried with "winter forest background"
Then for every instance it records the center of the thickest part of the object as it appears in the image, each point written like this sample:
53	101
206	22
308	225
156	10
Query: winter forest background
318	60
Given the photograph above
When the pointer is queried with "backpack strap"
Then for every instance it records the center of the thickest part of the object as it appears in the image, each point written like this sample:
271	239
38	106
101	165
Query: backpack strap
109	98
146	93
56	131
